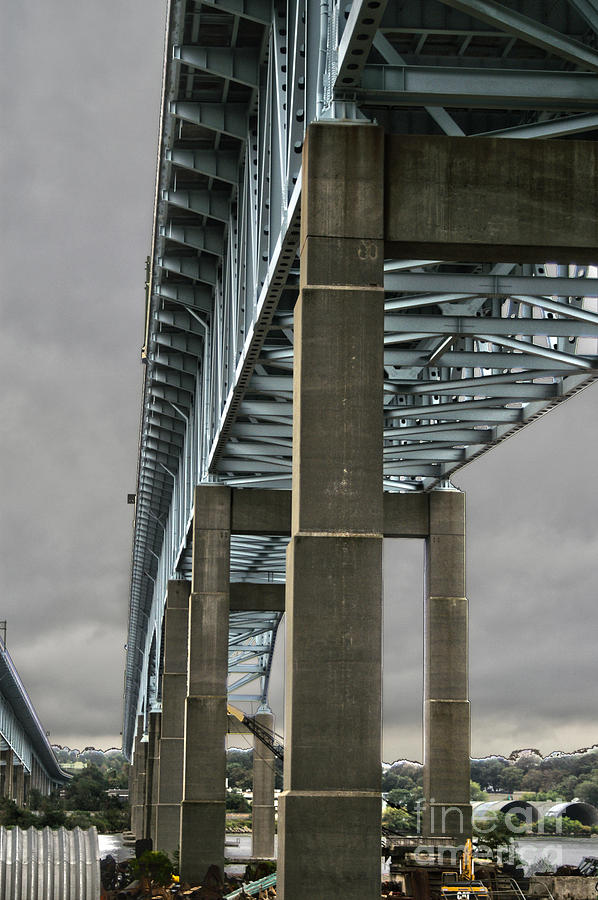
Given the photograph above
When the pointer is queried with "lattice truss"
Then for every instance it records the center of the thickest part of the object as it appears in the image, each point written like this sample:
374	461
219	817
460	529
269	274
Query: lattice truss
472	351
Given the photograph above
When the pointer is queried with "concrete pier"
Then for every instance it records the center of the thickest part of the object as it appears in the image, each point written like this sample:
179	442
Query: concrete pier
203	814
151	772
140	759
8	757
167	823
329	812
447	810
263	792
19	782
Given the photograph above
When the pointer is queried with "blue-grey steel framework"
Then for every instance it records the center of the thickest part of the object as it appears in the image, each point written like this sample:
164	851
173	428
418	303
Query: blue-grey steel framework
20	728
472	352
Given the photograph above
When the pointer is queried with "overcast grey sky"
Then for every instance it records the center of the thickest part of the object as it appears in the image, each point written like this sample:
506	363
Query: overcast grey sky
80	93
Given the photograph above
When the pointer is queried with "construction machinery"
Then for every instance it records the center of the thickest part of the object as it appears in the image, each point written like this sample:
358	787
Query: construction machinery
462	885
273	741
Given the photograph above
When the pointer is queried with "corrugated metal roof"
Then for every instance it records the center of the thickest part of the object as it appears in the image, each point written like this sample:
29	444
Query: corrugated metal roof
49	864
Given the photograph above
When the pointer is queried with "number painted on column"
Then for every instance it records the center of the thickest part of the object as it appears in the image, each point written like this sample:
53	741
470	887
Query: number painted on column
367	250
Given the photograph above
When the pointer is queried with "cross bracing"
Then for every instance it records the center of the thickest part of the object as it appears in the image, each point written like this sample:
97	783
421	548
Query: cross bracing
473	350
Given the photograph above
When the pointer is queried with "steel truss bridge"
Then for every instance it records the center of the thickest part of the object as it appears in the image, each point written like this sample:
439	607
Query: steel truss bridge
473	351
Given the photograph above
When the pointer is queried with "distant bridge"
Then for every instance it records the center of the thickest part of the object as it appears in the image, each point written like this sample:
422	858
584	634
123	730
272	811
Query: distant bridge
362	305
27	760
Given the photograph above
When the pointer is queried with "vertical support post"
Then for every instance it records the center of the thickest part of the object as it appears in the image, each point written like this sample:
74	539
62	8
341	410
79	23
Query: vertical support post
203	811
447	810
2	773
8	783
19	782
329	811
262	808
151	772
137	812
167	826
132	798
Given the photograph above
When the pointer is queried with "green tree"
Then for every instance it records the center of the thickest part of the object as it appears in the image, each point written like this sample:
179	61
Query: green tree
475	792
236	802
399	821
406	799
496	832
87	790
588	791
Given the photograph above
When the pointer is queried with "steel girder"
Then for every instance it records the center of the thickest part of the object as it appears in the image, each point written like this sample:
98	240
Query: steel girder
472	351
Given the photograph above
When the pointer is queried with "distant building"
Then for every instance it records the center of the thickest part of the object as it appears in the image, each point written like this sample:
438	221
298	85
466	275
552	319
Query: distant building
26	758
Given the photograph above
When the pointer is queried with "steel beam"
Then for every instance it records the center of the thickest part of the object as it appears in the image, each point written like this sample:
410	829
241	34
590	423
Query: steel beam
212	204
492	285
233	65
528	30
220	164
229	118
483	88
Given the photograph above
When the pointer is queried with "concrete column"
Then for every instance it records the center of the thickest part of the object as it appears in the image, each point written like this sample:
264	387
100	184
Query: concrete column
167	824
447	810
203	811
329	811
19	783
151	772
8	775
131	791
141	786
140	758
262	816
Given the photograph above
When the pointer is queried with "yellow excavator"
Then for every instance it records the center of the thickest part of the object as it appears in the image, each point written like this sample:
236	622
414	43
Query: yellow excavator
463	885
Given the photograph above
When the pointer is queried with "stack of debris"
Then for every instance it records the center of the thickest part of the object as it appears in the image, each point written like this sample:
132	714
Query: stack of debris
117	885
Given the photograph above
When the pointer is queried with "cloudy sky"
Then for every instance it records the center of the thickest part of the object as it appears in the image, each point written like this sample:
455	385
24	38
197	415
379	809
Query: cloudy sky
80	94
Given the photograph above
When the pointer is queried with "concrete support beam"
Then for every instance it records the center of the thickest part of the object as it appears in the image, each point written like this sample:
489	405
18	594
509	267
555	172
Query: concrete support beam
269	512
447	809
405	515
203	815
263	793
329	811
259	511
248	597
491	199
151	773
167	824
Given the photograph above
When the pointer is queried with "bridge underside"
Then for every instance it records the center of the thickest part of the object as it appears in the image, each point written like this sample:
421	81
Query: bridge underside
479	252
27	760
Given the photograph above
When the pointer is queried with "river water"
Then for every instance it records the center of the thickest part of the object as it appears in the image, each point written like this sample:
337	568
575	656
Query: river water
555	851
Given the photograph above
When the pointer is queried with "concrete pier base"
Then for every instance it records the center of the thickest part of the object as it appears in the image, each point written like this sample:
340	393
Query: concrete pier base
447	810
167	821
203	816
262	809
329	812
